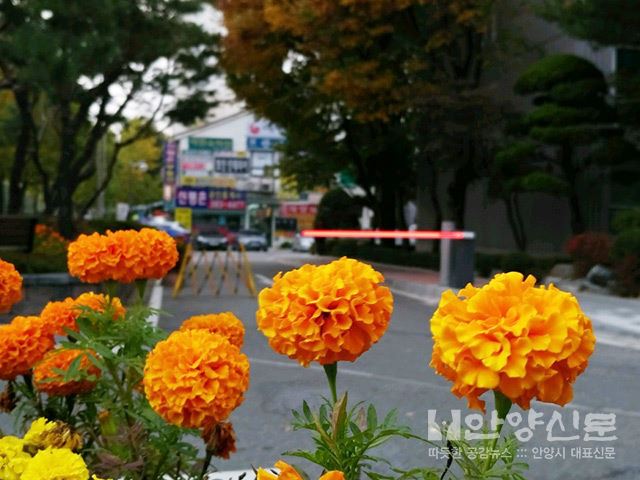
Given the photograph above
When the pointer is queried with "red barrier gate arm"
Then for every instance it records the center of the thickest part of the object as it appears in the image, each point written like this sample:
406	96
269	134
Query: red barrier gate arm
411	234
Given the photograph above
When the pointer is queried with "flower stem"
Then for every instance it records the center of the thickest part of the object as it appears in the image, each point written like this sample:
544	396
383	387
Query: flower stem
331	371
205	465
503	405
141	286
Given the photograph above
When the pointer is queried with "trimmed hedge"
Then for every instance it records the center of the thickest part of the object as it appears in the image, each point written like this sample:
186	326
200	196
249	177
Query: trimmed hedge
486	263
48	258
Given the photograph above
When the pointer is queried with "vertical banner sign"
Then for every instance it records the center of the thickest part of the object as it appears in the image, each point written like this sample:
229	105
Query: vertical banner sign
169	161
184	217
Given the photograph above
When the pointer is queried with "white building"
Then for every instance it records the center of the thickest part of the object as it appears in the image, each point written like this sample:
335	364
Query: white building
224	170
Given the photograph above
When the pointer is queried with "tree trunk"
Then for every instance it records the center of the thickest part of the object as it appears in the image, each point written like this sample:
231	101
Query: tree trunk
1	193
429	214
386	211
570	174
64	185
515	221
458	196
577	220
20	156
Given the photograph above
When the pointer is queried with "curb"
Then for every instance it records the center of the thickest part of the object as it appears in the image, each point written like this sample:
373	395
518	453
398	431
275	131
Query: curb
49	279
428	293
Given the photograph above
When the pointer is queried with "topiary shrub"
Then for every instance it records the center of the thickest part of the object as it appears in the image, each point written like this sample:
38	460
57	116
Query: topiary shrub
626	255
626	220
519	262
336	210
588	249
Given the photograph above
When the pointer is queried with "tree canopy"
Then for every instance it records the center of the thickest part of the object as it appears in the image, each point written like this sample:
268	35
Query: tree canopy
347	80
86	63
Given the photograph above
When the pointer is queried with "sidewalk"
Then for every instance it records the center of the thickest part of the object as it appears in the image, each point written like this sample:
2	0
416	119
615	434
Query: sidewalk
616	320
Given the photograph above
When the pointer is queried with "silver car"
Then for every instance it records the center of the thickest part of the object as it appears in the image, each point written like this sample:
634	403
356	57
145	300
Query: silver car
302	244
253	240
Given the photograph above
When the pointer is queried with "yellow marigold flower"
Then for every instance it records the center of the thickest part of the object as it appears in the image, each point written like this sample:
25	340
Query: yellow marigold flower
287	472
47	379
13	458
55	434
10	286
524	341
225	324
195	377
23	343
56	464
325	313
63	314
123	256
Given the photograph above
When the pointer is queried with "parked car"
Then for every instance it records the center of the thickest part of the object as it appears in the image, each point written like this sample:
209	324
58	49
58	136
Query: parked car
211	238
174	229
253	240
302	244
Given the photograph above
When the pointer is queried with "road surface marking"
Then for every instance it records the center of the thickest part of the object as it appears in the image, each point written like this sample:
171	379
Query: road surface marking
155	301
422	383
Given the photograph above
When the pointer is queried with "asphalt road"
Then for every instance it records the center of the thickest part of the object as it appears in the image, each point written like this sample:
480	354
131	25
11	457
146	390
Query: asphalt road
395	374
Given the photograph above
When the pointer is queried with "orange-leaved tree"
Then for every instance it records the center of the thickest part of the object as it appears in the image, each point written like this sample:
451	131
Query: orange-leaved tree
354	82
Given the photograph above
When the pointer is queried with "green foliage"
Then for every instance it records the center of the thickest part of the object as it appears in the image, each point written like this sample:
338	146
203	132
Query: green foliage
611	23
345	437
626	243
626	255
338	210
36	262
581	92
570	128
123	437
626	220
102	225
517	262
50	59
376	253
555	115
607	22
542	182
486	263
502	459
555	70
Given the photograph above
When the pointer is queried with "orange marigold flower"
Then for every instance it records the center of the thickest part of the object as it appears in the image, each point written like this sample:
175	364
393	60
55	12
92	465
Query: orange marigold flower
63	314
10	286
325	313
524	341
123	256
48	379
23	343
225	323
194	378
287	472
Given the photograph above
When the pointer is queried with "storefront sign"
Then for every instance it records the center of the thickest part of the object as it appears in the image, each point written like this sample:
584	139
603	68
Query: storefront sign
263	143
211	144
231	165
184	217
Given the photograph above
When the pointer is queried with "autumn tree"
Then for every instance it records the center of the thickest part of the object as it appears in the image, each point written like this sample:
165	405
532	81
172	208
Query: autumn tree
88	62
348	81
